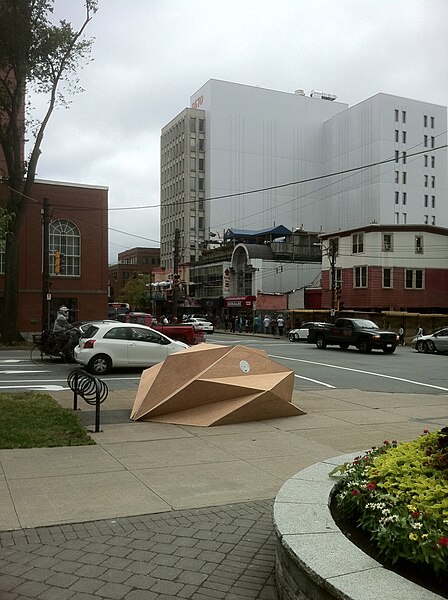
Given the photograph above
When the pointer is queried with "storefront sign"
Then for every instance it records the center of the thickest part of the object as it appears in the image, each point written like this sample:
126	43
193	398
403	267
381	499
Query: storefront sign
239	301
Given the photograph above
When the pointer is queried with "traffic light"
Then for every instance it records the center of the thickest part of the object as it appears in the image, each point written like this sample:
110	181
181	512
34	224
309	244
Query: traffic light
57	262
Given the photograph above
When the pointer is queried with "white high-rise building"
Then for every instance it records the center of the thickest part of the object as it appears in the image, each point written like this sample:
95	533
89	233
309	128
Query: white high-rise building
251	158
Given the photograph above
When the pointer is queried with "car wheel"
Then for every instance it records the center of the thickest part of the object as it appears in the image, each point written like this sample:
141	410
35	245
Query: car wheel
343	346
420	346
390	350
320	342
292	337
99	364
431	346
364	346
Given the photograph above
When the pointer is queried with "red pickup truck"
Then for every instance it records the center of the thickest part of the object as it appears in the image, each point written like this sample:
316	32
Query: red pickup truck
183	333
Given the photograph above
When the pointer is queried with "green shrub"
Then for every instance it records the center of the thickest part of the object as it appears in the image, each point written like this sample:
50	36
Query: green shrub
398	495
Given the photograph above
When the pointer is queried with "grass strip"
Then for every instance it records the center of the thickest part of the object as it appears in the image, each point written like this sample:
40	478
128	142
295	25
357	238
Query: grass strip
35	420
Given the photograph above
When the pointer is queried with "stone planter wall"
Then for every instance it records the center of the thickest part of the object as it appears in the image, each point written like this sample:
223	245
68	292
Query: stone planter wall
315	561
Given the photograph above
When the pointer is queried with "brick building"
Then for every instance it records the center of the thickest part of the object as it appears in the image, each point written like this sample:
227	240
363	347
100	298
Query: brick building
78	231
387	268
134	260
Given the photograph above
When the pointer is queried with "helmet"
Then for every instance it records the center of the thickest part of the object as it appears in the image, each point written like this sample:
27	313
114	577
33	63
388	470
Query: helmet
63	310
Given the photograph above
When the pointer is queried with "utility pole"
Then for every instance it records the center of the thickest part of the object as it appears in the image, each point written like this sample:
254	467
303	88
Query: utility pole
176	271
46	296
332	252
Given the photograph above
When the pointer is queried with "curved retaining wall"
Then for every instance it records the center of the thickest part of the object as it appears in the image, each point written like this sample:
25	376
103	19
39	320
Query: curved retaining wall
315	561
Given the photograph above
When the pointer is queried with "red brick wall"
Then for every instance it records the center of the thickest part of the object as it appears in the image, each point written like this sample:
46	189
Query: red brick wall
87	209
433	296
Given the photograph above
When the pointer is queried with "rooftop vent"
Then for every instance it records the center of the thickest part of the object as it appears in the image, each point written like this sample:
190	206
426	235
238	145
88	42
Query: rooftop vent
322	95
299	92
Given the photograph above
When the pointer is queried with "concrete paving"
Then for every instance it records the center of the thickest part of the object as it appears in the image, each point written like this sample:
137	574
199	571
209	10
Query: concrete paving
161	511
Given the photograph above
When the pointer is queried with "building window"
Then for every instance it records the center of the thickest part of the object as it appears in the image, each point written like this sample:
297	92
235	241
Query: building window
426	220
357	243
433	220
433	181
201	125
64	238
404	158
397	177
397	155
192	143
403	135
193	222
388	240
387	277
425	141
433	141
404	177
425	181
201	183
404	198
433	201
396	135
201	145
192	163
201	164
397	197
425	120
192	184
426	160
414	279
201	223
426	201
397	218
419	244
192	123
432	122
360	277
405	218
396	115
433	161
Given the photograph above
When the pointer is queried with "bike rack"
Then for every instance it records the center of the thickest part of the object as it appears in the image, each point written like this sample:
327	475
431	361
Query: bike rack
91	389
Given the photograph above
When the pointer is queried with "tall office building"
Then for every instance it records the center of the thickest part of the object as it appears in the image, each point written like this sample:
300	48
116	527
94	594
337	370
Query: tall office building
252	158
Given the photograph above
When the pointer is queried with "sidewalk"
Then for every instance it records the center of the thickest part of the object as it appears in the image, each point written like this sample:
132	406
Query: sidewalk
157	511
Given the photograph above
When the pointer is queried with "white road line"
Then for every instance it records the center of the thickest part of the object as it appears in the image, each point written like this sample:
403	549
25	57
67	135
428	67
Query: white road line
42	388
315	381
19	372
311	362
13	360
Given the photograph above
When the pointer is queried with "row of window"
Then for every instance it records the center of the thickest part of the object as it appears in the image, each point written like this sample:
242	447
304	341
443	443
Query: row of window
387	245
404	199
427	120
413	278
404	219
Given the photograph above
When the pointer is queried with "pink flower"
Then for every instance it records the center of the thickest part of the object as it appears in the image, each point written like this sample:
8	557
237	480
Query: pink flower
386	443
426	431
443	541
355	492
371	486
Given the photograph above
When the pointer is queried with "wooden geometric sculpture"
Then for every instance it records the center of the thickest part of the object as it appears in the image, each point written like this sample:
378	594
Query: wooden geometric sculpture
215	385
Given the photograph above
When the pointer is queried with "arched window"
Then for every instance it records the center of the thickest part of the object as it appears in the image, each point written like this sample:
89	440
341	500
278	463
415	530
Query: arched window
64	248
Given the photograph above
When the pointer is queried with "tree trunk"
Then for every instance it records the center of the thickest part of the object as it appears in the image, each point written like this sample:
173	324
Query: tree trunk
10	333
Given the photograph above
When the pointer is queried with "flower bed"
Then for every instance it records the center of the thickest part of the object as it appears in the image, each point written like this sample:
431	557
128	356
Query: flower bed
397	494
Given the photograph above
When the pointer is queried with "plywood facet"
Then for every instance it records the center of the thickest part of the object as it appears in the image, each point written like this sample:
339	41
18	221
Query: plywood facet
215	385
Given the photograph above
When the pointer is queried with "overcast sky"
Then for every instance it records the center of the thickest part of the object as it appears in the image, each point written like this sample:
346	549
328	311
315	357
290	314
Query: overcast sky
150	56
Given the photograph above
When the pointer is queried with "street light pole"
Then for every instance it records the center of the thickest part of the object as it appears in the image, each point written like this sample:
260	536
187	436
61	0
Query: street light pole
175	282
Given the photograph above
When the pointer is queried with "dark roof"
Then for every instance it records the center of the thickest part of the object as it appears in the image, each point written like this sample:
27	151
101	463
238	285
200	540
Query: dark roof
248	233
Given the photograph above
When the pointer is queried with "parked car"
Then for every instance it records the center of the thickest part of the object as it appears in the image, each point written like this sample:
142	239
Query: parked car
306	332
199	324
108	344
437	341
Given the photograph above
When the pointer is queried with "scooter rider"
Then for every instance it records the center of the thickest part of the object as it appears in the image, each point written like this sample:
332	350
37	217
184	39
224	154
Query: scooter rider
68	333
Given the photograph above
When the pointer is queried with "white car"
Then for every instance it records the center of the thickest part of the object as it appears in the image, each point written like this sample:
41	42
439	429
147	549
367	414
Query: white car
109	344
306	332
205	326
437	341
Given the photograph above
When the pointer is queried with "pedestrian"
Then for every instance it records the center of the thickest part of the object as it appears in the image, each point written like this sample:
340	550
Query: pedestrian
257	320
266	323
419	331
280	324
401	334
233	323
226	322
240	324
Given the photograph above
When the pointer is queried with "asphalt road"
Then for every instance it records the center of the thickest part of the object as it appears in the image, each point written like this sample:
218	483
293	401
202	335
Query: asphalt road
405	371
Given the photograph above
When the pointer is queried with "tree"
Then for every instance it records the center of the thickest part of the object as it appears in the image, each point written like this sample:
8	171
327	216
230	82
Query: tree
36	53
135	292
